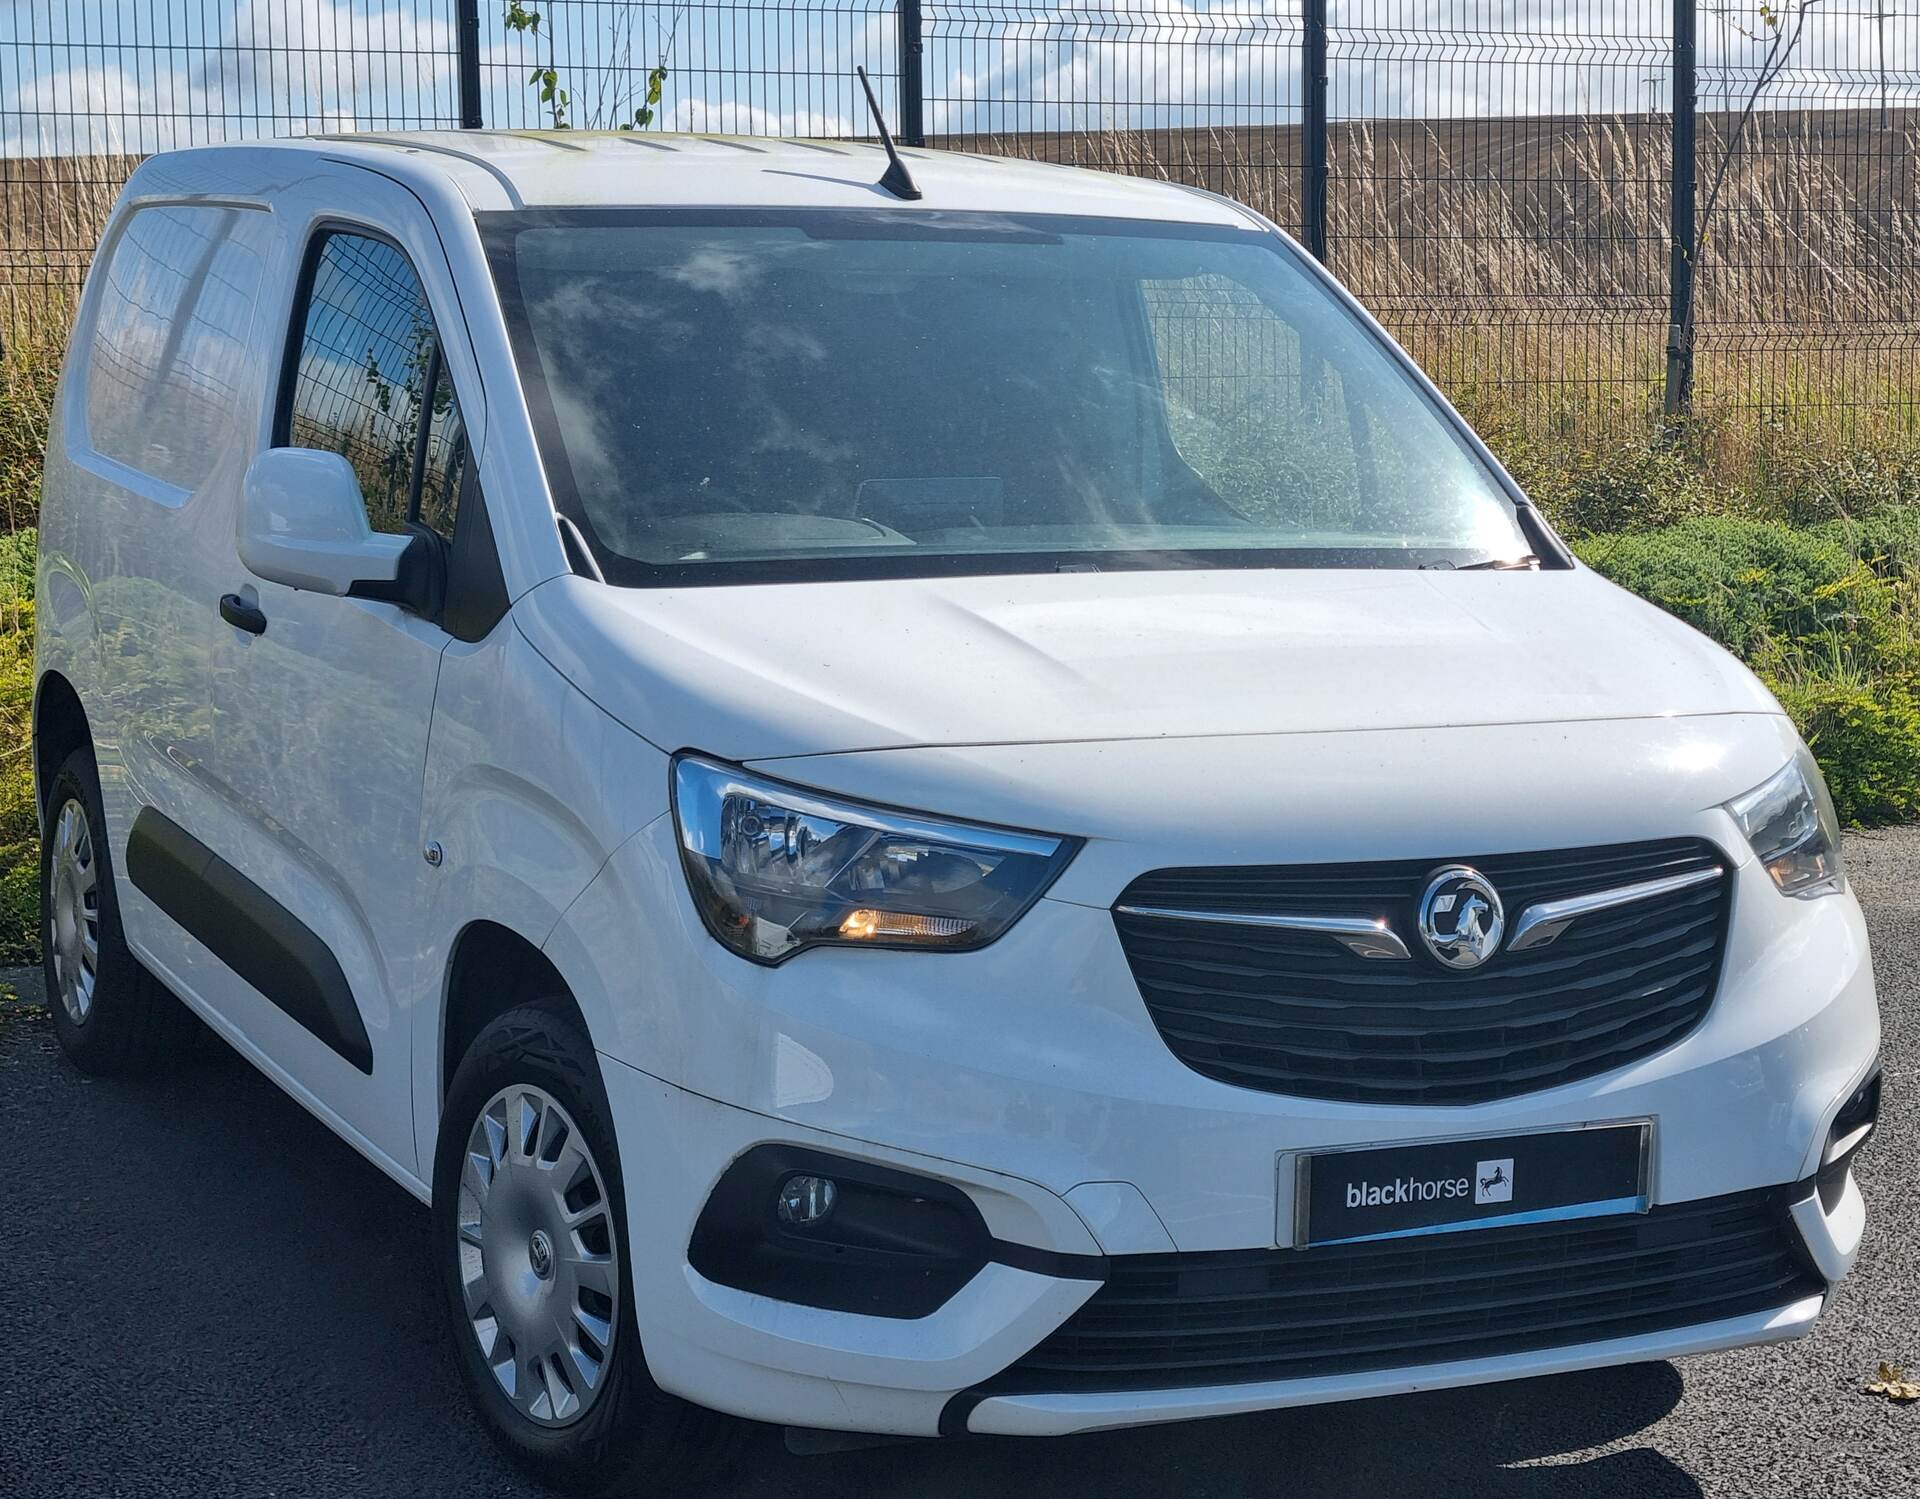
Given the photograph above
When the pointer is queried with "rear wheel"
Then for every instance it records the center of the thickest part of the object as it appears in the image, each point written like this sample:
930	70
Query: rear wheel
530	1239
110	1014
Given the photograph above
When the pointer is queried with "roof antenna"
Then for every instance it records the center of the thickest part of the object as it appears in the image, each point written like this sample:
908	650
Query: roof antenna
898	180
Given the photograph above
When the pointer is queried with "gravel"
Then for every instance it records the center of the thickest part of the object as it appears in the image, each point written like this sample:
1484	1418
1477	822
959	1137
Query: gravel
204	1292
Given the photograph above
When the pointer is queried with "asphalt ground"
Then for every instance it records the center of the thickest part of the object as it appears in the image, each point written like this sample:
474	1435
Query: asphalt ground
203	1292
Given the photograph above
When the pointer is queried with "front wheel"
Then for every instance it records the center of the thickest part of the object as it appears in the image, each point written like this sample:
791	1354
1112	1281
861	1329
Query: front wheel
529	1228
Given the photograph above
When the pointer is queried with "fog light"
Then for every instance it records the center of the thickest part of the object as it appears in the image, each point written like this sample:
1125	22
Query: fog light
805	1200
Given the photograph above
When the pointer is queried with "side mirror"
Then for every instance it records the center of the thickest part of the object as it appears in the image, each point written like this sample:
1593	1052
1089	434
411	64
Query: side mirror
303	523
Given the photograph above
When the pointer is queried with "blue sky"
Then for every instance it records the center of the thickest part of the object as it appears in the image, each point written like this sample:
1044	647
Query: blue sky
142	75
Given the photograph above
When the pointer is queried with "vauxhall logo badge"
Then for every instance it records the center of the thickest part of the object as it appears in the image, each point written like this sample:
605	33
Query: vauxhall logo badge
1461	918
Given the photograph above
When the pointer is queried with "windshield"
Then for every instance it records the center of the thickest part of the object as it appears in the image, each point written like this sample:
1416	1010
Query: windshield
725	396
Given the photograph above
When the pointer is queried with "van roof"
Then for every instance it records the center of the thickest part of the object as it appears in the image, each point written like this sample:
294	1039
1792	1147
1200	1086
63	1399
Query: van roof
499	169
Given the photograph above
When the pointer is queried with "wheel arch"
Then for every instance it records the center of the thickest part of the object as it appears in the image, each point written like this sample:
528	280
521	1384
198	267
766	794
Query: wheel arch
60	726
490	969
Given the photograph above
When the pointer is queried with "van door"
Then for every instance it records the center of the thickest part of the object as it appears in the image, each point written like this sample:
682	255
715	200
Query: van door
322	705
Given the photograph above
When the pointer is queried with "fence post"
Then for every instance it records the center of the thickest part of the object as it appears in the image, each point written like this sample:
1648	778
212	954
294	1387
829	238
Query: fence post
913	86
467	37
1313	129
1683	229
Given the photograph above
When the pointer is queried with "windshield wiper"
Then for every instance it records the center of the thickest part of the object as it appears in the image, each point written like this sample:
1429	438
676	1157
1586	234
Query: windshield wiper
1524	563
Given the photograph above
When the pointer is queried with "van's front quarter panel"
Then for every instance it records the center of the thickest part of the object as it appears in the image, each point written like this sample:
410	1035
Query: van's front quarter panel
529	790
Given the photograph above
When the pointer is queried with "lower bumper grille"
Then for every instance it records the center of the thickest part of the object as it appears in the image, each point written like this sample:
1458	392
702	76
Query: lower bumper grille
1244	1317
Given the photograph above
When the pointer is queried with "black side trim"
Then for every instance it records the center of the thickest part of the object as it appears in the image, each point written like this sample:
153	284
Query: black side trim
248	930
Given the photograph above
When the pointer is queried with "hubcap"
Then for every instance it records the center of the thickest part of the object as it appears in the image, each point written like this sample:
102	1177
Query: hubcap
539	1265
73	916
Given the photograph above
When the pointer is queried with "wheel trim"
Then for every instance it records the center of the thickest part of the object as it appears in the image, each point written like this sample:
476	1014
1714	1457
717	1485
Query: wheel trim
544	1322
73	915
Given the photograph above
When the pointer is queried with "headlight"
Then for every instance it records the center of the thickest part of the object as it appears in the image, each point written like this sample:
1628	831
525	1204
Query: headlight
775	868
1790	822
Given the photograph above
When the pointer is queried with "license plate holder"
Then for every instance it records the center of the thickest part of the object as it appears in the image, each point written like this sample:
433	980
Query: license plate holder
1423	1187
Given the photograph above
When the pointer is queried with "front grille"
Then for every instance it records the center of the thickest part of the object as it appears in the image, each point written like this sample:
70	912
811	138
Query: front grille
1296	1012
1245	1317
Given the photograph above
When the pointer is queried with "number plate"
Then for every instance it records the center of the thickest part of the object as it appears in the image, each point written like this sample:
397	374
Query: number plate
1400	1191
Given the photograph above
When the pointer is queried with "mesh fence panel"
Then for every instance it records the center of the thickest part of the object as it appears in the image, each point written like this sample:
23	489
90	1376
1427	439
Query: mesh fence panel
1499	172
729	69
1210	97
1809	259
88	87
1500	179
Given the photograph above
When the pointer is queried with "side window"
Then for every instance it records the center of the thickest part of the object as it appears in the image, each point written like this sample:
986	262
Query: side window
167	355
368	383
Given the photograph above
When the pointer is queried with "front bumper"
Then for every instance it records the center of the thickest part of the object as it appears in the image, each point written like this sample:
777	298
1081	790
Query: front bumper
1029	1076
772	1360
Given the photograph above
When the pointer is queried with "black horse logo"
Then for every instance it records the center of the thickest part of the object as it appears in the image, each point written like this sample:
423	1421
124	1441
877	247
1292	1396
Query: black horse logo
1498	1179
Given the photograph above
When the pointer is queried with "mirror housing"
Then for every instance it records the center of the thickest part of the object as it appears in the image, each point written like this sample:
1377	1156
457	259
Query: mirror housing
303	522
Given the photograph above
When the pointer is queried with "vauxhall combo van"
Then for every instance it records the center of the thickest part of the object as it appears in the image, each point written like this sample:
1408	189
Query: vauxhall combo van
951	803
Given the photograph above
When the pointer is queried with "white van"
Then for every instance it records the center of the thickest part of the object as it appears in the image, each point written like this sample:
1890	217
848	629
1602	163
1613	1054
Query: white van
972	812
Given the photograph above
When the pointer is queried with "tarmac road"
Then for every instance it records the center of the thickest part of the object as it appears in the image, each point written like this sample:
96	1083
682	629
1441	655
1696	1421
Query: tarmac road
203	1292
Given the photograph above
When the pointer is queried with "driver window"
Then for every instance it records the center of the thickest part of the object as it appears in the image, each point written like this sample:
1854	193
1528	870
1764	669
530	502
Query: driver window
369	384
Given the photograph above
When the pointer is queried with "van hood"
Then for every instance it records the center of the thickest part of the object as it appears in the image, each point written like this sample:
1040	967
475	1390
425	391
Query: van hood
765	671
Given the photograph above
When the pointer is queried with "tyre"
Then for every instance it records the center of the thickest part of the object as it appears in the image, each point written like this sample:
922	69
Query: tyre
110	1014
529	1234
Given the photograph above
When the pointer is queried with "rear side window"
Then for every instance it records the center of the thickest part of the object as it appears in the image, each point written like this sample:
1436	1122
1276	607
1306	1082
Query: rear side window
368	383
167	360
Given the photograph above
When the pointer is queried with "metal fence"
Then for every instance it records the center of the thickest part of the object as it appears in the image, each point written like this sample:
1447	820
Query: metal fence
1579	211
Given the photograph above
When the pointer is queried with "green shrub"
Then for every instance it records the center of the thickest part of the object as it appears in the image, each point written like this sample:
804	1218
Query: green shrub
1867	740
1886	538
29	371
1823	615
1629	485
1807	483
1757	587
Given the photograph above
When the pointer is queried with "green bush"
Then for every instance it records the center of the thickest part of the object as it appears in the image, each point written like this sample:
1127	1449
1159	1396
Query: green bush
1756	586
1867	740
1807	483
1886	538
1823	615
1633	483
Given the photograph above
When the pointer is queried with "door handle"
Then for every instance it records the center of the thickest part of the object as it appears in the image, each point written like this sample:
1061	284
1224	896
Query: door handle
237	612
